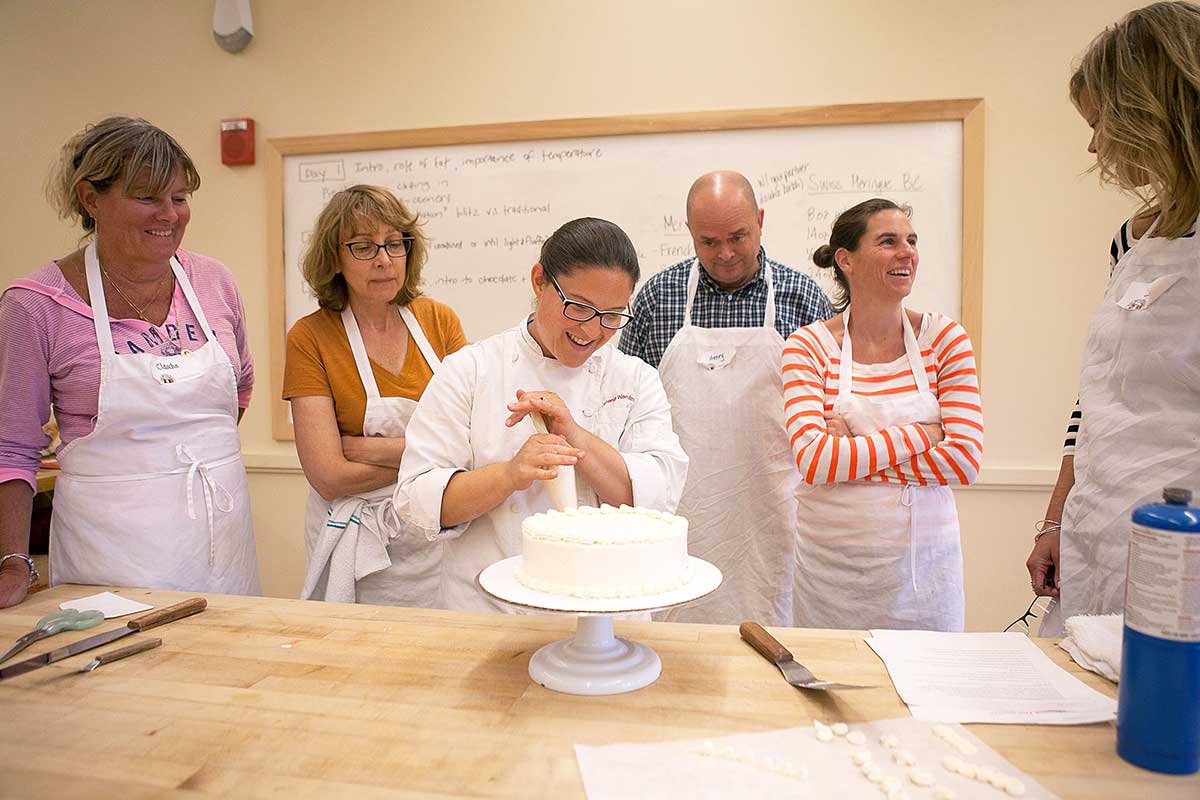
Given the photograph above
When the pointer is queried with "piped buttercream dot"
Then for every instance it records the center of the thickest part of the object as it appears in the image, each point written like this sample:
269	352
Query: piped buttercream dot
942	793
856	738
889	741
920	777
1014	787
839	728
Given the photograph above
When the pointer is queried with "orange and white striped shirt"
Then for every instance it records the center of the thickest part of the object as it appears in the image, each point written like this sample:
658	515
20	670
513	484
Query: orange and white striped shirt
901	453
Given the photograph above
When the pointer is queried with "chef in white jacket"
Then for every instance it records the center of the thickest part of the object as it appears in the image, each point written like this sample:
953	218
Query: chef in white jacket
474	467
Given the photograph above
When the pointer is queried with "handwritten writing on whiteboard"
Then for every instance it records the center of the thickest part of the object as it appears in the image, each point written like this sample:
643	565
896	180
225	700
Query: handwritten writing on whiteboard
487	208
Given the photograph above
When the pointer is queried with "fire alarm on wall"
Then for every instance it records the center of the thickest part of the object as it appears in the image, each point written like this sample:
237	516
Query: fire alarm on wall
237	141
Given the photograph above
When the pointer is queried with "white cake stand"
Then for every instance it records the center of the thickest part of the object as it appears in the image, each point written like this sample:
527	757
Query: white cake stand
594	662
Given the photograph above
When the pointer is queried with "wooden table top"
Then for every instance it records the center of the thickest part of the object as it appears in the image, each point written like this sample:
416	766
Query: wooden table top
45	479
259	696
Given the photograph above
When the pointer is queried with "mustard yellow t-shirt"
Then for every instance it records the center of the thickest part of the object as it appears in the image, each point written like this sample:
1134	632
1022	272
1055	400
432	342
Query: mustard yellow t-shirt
319	361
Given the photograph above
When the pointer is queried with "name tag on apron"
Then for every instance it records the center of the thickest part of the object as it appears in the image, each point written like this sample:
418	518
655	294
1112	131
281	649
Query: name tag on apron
715	359
1141	295
169	369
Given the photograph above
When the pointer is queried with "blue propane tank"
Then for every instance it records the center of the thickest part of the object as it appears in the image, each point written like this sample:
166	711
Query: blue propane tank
1158	711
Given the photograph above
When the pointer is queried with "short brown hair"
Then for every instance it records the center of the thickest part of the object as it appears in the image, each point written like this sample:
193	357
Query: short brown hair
125	150
321	264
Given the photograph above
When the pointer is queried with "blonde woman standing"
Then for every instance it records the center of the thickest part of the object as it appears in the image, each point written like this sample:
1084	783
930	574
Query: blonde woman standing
1138	89
140	347
355	369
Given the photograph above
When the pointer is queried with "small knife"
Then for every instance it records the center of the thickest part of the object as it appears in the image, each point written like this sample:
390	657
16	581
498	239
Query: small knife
121	652
145	622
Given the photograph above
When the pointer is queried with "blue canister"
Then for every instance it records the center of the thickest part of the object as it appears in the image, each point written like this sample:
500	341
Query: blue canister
1158	712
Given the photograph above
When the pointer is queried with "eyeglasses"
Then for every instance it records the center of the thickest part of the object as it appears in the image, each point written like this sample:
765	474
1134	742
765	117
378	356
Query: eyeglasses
582	312
365	251
1021	625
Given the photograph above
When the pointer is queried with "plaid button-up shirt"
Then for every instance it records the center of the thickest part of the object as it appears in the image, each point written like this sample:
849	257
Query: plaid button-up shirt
659	306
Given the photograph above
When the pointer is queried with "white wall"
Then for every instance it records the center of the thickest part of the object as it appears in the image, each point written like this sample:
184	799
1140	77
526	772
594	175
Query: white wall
355	65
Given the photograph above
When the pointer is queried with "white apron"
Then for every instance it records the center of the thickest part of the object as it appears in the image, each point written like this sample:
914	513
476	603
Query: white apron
155	496
726	392
879	555
357	551
1139	394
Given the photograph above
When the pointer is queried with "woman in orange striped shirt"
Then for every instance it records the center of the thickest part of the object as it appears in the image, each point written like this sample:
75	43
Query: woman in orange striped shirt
880	444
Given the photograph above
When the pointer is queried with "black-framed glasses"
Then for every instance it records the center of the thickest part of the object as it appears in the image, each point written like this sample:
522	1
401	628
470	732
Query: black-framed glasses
582	312
365	251
1021	624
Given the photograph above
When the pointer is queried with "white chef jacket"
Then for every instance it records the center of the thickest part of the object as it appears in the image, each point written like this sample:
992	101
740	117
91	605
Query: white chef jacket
459	425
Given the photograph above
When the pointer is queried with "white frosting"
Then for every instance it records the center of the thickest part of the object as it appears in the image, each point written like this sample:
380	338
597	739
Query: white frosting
604	552
751	759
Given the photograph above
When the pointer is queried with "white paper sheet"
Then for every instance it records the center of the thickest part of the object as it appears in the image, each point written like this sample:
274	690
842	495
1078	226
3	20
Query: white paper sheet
750	765
985	677
113	605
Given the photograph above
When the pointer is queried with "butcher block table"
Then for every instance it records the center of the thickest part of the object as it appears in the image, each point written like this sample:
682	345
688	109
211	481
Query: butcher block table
259	697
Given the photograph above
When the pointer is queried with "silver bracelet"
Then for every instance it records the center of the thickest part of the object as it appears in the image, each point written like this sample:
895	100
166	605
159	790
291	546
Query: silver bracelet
33	573
1044	526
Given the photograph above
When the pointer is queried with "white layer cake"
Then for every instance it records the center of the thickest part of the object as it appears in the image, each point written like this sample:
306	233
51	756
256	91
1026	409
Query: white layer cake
604	552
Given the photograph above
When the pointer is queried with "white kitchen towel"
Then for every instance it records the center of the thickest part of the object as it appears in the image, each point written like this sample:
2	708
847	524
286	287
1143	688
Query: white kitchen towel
1094	642
352	545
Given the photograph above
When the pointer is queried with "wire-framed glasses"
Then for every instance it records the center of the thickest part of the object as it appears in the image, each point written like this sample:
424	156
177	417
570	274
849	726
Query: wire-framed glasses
1022	623
582	312
365	251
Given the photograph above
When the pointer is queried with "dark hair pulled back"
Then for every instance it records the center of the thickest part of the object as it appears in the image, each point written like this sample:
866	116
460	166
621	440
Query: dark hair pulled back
589	242
847	233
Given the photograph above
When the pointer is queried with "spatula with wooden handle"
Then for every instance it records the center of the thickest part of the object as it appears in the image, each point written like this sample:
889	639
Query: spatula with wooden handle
794	672
562	488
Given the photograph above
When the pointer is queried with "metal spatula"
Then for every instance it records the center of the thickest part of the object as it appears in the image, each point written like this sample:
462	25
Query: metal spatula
796	673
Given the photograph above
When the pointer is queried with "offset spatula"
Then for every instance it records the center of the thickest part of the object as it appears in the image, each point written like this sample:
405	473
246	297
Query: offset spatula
796	673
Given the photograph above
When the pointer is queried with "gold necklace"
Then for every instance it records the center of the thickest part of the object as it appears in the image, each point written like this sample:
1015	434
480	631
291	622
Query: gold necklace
141	311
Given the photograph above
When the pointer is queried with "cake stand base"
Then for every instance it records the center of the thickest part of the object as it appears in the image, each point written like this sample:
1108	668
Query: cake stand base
595	662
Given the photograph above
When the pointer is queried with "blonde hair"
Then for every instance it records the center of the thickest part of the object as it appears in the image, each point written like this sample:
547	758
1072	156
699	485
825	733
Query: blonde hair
118	150
1143	74
321	264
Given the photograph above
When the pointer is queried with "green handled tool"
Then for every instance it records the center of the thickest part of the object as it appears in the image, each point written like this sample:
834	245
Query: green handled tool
66	620
144	622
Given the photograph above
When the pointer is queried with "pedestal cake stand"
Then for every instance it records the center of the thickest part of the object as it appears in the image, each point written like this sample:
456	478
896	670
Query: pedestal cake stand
594	662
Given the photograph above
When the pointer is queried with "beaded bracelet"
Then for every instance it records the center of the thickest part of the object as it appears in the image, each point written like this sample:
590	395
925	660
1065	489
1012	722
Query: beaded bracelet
33	573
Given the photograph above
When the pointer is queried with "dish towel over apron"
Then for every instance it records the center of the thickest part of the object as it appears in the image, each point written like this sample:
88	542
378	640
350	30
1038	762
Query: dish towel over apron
358	551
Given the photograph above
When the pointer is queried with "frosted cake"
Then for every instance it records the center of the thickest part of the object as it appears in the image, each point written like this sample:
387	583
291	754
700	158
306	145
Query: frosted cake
604	552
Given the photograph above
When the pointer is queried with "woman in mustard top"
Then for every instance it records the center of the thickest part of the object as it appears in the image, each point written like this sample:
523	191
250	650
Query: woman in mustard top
354	371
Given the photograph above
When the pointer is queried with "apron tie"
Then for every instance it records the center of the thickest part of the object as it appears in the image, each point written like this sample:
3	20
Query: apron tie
223	499
906	500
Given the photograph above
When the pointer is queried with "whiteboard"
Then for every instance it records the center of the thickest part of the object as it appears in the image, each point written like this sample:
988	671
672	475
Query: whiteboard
487	206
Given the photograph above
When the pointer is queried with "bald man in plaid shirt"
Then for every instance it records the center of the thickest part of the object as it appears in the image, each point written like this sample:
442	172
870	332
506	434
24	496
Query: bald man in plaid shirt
703	323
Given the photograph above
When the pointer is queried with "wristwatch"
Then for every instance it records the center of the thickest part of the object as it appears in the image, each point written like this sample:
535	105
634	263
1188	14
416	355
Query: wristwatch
33	573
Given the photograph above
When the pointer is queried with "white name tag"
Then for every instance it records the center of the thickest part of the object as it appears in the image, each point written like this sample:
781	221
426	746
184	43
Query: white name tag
167	369
1141	295
715	359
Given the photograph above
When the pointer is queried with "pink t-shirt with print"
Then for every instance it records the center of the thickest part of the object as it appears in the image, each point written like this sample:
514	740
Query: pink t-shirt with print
49	355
